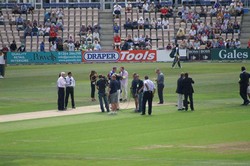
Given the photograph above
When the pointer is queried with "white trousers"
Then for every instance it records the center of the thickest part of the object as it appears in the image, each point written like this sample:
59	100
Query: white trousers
180	101
124	88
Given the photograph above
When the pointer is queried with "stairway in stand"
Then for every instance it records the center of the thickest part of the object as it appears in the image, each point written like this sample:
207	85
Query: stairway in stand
106	32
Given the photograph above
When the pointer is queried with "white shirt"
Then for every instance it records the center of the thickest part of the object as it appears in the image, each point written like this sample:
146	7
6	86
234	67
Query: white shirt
71	46
117	7
61	83
150	84
53	47
70	81
124	75
2	61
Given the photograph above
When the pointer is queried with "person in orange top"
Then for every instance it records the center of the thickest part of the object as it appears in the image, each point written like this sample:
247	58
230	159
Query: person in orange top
117	42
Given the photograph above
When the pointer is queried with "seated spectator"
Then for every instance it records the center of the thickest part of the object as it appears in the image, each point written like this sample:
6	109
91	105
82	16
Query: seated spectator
53	18
136	41
213	12
22	48
117	10
204	39
239	10
164	12
215	43
180	34
60	13
65	46
47	23
13	46
192	33
197	44
1	19
220	16
152	7
46	17
53	46
227	15
83	30
59	25
117	42
135	24
152	24
140	4
96	45
42	46
125	46
16	9
19	20
221	43
232	44
24	9
183	44
142	43
70	39
13	20
200	28
165	24
203	12
209	45
47	30
148	42
158	6
189	17
128	7
196	16
52	35
31	9
248	44
77	45
35	31
236	27
96	36
59	46
223	28
89	28
96	27
128	24
130	41
71	45
159	23
169	46
145	7
230	28
89	37
141	23
116	28
146	24
190	45
27	31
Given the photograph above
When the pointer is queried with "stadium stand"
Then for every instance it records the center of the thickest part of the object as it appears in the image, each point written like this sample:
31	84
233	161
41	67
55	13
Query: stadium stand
160	29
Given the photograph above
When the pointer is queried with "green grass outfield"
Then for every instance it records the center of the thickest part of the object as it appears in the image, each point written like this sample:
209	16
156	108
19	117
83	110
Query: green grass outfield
216	133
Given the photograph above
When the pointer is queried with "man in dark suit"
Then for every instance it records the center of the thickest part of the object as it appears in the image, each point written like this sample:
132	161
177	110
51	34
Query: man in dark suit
244	82
188	91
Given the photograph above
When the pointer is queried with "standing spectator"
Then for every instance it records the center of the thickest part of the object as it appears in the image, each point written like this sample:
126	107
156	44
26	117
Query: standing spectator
117	42
148	94
101	85
117	10
133	89
61	83
2	64
113	87
116	28
92	78
188	91
71	46
13	46
244	82
70	85
124	83
42	46
22	48
180	92
176	56
160	85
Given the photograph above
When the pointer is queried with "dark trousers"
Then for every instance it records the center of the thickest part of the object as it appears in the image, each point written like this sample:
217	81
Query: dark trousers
103	98
147	97
60	101
243	93
190	96
176	60
92	90
160	88
70	91
2	69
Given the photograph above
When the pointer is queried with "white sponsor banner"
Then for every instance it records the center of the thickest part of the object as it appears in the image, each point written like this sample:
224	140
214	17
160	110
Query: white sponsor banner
163	55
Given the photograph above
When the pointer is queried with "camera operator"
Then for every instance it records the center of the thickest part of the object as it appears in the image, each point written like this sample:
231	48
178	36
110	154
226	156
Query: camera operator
101	85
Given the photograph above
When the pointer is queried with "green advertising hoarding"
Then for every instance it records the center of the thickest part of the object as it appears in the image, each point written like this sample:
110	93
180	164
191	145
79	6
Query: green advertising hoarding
230	54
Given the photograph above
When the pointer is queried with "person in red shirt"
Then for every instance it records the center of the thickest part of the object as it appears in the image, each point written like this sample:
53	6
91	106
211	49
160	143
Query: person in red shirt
164	12
117	42
52	35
